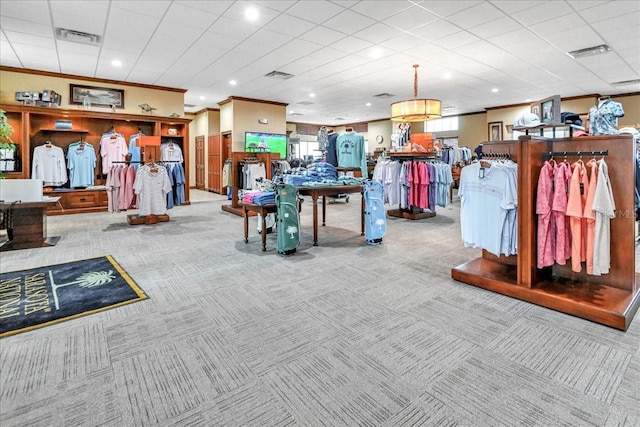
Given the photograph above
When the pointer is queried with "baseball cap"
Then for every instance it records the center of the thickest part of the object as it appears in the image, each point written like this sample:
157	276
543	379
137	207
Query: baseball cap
526	120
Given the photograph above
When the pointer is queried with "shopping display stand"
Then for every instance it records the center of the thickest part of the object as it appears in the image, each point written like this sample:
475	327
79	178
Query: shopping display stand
412	212
611	299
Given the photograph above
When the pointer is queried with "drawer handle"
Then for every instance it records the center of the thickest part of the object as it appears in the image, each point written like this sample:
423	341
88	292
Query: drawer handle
83	200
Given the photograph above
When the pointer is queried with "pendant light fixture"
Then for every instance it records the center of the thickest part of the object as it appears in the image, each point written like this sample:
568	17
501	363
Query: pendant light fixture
416	110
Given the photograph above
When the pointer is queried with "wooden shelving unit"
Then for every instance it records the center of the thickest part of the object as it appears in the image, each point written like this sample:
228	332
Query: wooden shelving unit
611	299
34	126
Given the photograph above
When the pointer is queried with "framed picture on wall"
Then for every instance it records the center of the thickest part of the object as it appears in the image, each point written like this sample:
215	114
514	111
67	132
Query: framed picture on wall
495	131
100	96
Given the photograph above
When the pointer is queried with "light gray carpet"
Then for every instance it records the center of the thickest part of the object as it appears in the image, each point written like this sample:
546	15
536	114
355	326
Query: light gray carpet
343	334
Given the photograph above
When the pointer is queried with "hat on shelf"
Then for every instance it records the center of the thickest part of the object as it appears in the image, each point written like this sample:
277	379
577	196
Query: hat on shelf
579	133
570	118
526	120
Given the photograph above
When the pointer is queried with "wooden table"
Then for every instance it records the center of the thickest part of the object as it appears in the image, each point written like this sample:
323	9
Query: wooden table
29	225
263	210
330	190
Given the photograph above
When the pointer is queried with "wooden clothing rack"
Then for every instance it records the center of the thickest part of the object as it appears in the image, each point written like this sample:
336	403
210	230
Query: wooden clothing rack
611	299
412	213
238	158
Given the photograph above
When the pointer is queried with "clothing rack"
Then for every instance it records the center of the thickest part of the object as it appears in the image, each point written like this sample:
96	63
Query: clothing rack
576	153
610	299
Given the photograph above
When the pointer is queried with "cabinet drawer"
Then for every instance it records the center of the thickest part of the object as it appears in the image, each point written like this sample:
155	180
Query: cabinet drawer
82	200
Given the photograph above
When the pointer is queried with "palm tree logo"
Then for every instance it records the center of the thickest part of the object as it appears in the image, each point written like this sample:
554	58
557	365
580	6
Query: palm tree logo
86	280
292	230
380	223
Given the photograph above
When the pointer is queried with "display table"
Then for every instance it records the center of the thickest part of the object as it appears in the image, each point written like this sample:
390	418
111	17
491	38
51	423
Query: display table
27	224
334	191
263	210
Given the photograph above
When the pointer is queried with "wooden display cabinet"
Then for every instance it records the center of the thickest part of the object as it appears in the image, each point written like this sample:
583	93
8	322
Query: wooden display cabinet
34	126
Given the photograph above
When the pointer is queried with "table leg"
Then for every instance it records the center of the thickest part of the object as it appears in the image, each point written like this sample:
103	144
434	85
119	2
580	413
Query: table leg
245	216
324	209
362	215
264	231
315	220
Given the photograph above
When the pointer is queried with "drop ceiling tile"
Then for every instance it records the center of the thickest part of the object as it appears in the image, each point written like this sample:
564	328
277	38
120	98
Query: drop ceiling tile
290	25
217	7
556	25
348	22
377	33
379	10
36	11
495	27
618	9
352	44
152	8
279	5
410	18
403	42
79	64
510	7
435	30
455	40
476	15
314	11
323	36
36	56
575	38
298	47
185	15
27	27
30	40
447	8
542	11
268	39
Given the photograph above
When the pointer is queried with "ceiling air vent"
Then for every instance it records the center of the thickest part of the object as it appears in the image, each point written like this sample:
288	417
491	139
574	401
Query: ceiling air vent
77	36
589	51
626	82
279	75
190	106
383	95
296	114
305	103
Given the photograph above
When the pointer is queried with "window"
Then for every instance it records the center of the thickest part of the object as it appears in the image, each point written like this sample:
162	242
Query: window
441	125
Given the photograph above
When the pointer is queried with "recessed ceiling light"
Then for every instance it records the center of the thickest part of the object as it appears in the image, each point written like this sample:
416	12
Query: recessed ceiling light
312	95
116	63
447	75
494	90
368	104
202	98
233	82
527	100
375	53
251	14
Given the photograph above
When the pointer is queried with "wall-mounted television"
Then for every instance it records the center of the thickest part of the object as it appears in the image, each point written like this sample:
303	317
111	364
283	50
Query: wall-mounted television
257	142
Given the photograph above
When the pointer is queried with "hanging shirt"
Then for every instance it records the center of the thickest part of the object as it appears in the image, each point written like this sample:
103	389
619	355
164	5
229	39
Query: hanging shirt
113	148
486	194
575	210
604	207
49	165
152	186
562	223
589	214
351	152
81	161
546	242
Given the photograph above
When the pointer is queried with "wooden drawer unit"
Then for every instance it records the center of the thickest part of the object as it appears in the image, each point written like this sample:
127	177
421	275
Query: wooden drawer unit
84	199
79	201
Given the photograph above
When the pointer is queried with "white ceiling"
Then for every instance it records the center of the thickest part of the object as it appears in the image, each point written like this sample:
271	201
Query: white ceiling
517	47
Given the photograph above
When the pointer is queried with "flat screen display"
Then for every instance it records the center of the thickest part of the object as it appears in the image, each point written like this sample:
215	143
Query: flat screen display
256	142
